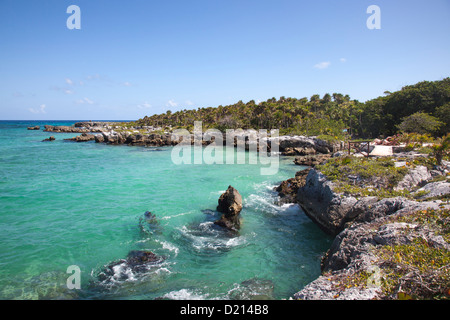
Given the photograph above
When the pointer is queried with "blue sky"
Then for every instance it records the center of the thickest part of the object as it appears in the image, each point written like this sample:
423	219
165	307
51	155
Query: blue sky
141	57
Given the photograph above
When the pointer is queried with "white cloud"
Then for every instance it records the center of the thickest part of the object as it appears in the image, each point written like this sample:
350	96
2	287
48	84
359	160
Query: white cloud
85	101
126	84
322	65
41	109
189	102
63	90
343	60
144	105
171	103
69	81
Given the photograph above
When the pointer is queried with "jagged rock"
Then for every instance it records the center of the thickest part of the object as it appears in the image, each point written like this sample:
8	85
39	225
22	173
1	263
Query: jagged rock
312	160
434	189
52	138
136	262
415	177
34	128
99	138
354	250
82	138
322	204
49	128
287	190
230	203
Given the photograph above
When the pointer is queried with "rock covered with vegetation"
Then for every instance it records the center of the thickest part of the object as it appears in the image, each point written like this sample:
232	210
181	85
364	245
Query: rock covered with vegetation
401	256
391	243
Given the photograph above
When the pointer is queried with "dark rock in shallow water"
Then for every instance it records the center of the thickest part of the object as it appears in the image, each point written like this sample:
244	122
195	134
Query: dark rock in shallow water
137	262
34	128
149	224
230	203
287	190
52	138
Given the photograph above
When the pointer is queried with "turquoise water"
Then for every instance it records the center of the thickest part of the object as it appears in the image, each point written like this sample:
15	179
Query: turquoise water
64	203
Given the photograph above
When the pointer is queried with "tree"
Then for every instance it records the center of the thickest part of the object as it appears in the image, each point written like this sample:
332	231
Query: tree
420	122
441	149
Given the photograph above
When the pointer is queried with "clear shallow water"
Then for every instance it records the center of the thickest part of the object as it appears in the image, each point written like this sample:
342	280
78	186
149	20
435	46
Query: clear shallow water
64	203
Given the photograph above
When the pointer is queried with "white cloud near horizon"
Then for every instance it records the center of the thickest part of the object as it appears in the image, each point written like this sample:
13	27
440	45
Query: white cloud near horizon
343	60
322	65
84	101
41	109
144	105
171	103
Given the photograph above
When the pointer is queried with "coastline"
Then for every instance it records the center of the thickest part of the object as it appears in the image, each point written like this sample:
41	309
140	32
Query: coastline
358	223
371	234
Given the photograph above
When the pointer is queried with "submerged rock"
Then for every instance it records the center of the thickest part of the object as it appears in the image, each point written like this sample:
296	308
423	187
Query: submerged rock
230	203
137	262
149	224
253	289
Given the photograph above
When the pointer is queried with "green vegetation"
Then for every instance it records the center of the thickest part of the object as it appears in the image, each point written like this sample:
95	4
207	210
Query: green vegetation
441	150
333	115
420	270
421	123
364	176
416	270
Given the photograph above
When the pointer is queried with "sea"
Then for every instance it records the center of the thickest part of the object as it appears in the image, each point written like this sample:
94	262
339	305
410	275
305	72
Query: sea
71	213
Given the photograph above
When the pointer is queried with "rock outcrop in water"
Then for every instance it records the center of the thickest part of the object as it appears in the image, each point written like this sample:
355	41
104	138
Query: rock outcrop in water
288	189
34	128
230	204
82	138
137	262
52	138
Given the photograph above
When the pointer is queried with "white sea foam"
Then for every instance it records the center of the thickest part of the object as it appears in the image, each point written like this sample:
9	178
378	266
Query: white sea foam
169	246
206	238
185	294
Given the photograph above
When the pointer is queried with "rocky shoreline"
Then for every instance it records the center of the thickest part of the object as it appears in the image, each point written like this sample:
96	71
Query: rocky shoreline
359	224
308	150
365	226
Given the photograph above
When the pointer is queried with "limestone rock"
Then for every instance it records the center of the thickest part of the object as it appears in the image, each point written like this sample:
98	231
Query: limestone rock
230	203
415	177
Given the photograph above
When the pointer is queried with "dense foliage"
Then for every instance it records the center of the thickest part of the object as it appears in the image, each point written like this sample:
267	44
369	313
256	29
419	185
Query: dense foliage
328	115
